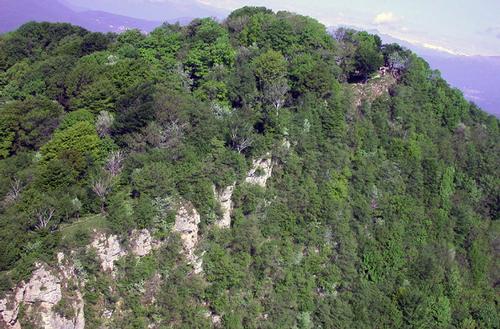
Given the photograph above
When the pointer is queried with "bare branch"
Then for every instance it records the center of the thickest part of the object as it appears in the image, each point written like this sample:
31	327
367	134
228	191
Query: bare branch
43	217
173	133
16	186
115	163
101	187
275	92
167	135
241	137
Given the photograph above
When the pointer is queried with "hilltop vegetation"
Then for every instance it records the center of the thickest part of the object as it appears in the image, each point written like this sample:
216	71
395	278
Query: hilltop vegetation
382	215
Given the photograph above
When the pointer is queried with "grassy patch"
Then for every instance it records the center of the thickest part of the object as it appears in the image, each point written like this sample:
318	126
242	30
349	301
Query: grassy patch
78	233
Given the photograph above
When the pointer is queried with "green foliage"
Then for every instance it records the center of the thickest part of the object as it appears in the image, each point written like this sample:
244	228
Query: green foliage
209	48
76	117
311	74
27	124
270	66
368	56
120	212
360	54
447	186
80	139
337	188
64	309
380	215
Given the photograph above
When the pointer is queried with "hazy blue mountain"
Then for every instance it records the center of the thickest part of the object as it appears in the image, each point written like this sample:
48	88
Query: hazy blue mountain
153	9
477	76
14	13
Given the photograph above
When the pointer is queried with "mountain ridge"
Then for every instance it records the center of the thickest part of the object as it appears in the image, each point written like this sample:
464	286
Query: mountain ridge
474	83
477	76
253	173
15	13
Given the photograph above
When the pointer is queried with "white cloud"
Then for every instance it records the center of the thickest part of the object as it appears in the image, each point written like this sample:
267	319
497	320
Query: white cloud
442	49
226	4
385	18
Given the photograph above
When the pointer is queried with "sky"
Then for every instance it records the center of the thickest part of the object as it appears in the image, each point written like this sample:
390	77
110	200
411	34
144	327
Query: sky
455	26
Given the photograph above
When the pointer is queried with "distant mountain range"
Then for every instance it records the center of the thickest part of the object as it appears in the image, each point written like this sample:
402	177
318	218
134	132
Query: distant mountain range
477	76
156	10
14	13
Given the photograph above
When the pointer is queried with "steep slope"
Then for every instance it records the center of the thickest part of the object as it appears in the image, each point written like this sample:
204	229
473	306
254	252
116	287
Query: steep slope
478	77
255	173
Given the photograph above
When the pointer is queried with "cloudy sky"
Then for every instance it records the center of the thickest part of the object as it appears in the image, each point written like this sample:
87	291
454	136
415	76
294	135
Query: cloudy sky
457	26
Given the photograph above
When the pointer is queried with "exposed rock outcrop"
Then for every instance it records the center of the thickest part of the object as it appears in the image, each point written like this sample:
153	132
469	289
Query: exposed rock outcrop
374	88
186	224
108	250
224	197
47	287
141	242
9	307
261	171
39	298
214	318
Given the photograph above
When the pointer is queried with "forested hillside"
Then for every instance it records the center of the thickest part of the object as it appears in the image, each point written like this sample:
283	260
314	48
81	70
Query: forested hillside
284	179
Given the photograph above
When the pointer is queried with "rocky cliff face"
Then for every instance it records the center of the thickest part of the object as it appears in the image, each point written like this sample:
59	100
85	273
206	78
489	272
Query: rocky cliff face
368	92
142	243
108	250
186	224
224	198
52	298
41	300
261	171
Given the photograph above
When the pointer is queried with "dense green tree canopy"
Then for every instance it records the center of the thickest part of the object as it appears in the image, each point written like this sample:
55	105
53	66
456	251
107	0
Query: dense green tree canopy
382	208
